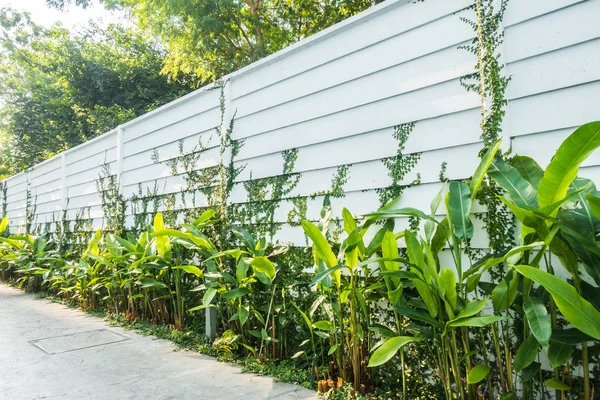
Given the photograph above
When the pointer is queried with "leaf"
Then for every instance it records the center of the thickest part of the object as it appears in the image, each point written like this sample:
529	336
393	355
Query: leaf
505	293
441	236
559	354
526	354
163	244
190	269
520	191
148	283
332	349
593	200
489	262
419	316
3	224
477	374
243	312
483	167
386	351
206	215
538	319
322	248
208	296
448	287
298	354
578	311
476	322
325	273
564	166
570	336
237	292
264	265
395	212
556	384
530	371
389	249
529	169
472	308
324	325
349	222
458	201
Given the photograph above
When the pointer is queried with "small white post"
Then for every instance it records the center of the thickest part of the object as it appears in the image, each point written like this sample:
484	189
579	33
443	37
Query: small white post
120	148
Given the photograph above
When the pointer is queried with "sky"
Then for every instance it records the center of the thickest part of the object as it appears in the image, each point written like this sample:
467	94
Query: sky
71	18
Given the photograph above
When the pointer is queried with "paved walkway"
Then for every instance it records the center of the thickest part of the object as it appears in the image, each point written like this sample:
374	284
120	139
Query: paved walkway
49	351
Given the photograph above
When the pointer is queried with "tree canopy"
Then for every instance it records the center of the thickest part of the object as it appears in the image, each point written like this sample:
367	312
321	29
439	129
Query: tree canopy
210	38
59	89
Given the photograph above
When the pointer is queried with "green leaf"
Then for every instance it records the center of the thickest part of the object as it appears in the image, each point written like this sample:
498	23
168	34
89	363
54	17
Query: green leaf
526	354
477	374
505	293
530	371
559	354
325	273
564	166
472	308
332	349
208	296
483	167
163	244
570	336
148	283
458	202
508	396
243	312
556	384
419	316
322	248
386	351
324	325
389	249
593	200
476	322
529	169
448	287
538	319
235	293
520	191
190	269
349	222
441	236
396	212
264	265
578	311
489	262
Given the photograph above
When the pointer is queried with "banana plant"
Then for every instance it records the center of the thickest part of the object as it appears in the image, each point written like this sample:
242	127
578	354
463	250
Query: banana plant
556	207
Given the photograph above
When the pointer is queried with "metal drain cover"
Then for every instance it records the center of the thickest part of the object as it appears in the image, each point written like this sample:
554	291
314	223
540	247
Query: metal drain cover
77	341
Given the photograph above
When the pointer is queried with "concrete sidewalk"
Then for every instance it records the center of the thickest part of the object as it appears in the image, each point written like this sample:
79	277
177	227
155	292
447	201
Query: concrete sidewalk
49	351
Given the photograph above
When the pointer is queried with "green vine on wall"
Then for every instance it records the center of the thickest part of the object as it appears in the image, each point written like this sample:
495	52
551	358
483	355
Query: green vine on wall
399	166
30	210
490	84
112	202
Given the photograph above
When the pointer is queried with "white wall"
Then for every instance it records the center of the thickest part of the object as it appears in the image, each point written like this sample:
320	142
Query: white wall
337	96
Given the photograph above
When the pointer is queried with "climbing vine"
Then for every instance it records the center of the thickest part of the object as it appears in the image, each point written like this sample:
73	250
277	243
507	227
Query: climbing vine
399	166
490	84
112	202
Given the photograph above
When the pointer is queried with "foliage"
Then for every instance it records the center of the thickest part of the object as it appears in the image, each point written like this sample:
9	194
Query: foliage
60	89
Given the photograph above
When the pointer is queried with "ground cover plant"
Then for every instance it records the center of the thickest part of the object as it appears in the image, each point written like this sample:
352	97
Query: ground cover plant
397	306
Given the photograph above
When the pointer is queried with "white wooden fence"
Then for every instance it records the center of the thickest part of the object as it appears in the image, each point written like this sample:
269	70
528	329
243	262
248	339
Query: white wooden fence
336	97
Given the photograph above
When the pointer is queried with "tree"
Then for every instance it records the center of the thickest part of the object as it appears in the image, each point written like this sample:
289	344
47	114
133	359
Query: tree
59	89
211	38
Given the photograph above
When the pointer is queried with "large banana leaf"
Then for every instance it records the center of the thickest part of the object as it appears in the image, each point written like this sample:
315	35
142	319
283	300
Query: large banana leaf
538	319
529	170
386	351
458	202
565	164
520	191
576	310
